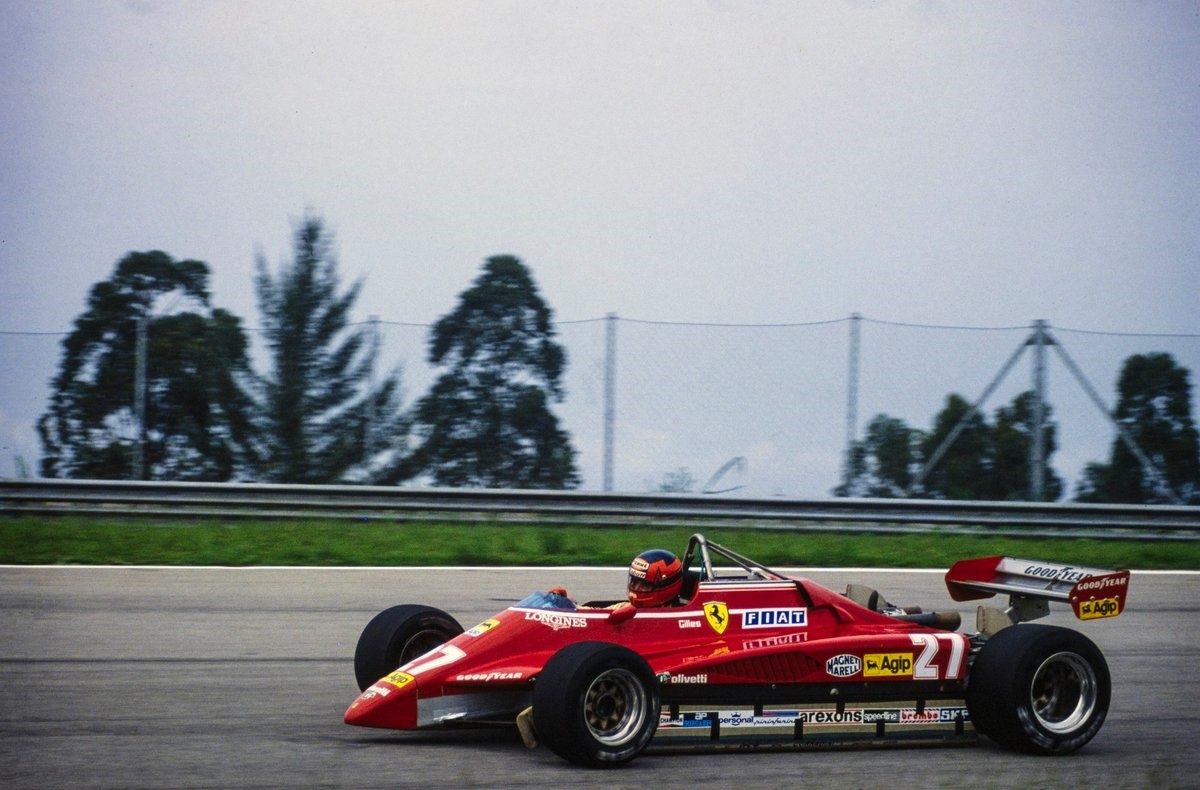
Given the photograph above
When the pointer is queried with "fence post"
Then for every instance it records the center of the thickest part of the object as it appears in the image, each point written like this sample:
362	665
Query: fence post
852	394
610	395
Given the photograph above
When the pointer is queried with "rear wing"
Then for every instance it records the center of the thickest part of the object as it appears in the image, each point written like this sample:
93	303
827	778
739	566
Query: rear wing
1092	592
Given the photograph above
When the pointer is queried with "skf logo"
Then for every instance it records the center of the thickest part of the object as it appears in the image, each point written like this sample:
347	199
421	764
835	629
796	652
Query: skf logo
887	665
717	615
1105	607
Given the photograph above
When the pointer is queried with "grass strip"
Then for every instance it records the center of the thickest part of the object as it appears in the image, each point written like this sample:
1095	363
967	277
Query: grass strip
27	540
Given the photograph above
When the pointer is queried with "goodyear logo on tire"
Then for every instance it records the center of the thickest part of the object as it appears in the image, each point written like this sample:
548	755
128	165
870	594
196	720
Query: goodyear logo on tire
887	665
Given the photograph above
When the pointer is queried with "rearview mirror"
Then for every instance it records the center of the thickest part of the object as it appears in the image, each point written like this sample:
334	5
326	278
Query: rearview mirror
622	613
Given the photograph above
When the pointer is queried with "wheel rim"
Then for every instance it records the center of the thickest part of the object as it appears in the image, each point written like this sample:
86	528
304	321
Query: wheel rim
614	707
1063	693
419	644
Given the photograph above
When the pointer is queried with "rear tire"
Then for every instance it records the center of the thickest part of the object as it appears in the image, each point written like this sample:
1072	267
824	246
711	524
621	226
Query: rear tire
396	636
596	704
1039	689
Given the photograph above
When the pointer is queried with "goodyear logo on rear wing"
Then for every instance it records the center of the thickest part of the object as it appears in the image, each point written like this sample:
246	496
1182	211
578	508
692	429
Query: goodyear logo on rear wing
1100	596
790	617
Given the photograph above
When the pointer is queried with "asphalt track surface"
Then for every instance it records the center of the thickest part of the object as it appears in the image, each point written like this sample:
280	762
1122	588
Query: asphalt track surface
213	677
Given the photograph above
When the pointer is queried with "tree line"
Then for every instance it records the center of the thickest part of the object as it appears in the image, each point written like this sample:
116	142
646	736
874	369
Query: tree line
990	459
320	413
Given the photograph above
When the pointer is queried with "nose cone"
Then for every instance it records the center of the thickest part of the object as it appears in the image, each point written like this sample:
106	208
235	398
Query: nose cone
391	703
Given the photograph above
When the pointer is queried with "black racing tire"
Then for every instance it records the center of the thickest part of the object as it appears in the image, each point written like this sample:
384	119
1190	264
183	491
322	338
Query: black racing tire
596	704
396	636
1039	689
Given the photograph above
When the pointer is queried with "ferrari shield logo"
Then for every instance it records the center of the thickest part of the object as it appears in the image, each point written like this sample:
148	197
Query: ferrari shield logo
717	615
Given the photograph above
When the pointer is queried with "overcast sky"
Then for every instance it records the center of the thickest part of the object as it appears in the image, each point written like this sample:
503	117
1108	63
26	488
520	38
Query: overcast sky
961	163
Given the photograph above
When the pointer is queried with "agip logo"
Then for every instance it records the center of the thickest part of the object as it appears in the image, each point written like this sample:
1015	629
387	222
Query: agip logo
1105	607
887	665
399	679
717	615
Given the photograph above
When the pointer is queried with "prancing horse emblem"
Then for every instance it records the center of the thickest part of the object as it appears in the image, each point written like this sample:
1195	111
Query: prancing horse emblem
717	615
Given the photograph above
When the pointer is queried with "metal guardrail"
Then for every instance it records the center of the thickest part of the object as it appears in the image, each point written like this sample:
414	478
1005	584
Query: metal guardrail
266	501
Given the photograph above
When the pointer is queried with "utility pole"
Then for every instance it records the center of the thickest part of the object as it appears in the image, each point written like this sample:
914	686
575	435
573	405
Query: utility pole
1037	448
139	399
610	395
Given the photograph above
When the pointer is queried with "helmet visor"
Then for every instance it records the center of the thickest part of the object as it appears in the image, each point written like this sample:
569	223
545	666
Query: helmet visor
641	585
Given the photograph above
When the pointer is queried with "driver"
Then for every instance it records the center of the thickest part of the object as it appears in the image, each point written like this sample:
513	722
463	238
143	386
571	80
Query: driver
655	579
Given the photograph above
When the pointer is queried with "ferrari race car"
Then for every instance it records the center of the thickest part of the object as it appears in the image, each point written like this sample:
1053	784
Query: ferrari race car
753	659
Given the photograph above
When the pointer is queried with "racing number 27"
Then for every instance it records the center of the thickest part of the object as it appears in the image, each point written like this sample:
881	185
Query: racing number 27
924	667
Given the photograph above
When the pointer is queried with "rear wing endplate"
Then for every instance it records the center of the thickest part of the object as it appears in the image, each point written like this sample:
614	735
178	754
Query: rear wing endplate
1092	592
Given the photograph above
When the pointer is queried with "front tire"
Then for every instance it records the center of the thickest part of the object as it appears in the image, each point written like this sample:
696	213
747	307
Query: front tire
596	704
1039	689
396	636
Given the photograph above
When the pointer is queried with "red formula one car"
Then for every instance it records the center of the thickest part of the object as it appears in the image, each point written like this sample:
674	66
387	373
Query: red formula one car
754	658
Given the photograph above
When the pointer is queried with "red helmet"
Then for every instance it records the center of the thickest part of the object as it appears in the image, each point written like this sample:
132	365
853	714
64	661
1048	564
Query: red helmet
655	577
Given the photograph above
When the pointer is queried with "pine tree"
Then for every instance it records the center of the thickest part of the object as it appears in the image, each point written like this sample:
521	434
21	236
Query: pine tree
1154	407
487	420
321	420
